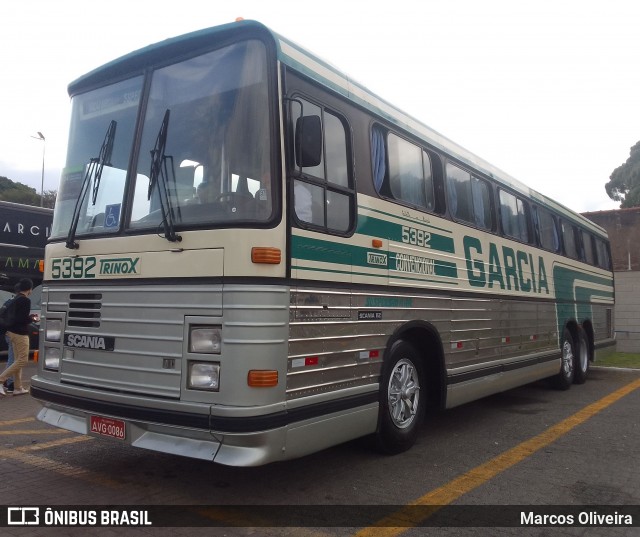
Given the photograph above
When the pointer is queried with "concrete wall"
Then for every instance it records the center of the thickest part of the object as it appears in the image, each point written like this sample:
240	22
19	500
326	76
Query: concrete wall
623	227
627	311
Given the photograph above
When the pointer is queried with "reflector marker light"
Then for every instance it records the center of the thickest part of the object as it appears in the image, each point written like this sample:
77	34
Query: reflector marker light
266	255
506	340
376	243
258	378
305	362
369	355
456	345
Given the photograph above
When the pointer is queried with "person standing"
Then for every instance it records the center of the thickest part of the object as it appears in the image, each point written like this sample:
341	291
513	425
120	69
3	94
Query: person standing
18	335
8	384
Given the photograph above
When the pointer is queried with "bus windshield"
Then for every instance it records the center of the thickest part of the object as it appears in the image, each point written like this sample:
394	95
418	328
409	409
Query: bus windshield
204	153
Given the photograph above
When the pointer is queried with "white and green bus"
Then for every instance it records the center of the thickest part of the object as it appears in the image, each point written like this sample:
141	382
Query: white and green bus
254	258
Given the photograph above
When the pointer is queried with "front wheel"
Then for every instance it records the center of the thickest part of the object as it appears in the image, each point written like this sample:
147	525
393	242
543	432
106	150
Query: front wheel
564	379
581	357
402	400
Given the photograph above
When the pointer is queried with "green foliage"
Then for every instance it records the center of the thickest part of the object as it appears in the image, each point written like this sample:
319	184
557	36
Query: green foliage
19	193
620	359
624	183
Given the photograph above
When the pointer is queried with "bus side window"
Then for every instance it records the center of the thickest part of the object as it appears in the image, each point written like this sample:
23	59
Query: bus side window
546	229
469	198
602	251
323	193
513	215
378	158
569	240
587	245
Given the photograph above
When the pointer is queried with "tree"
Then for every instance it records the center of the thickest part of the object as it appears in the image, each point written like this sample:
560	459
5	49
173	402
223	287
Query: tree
624	182
50	198
19	193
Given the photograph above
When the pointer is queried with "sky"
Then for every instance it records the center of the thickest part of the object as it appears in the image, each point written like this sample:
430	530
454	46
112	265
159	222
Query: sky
548	91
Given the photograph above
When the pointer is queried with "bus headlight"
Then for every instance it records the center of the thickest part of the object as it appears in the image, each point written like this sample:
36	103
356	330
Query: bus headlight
204	376
53	329
205	339
52	359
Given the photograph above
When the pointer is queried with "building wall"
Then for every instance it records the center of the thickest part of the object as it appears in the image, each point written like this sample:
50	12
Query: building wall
623	227
627	311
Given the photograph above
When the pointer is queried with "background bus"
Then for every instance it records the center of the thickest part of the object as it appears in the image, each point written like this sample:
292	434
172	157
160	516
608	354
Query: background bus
23	235
254	258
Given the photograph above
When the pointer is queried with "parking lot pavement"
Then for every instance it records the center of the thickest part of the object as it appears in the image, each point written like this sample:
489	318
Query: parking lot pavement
27	372
531	446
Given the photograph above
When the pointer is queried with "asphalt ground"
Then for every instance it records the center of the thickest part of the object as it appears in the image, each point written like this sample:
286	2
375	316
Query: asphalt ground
474	471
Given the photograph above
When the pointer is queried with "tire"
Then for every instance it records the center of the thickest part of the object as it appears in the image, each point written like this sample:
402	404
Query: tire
581	358
402	399
564	379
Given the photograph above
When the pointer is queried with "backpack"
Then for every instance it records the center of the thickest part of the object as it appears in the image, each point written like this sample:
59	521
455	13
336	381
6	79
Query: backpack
7	314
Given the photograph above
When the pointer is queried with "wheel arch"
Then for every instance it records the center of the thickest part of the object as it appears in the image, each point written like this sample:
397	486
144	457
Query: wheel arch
587	326
425	339
574	327
571	325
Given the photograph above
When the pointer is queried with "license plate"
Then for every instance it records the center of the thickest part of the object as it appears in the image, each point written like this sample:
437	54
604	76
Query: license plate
108	427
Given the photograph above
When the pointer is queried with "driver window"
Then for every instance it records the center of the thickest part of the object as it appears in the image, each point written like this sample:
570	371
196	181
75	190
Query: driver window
324	195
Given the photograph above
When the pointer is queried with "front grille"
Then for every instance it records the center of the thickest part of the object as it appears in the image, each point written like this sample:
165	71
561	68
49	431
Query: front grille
84	310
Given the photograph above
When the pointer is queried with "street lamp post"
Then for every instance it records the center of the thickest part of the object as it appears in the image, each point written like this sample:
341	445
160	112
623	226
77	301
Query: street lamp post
43	140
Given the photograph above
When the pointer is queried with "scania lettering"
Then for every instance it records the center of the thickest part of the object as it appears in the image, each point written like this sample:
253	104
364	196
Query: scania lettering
89	342
254	258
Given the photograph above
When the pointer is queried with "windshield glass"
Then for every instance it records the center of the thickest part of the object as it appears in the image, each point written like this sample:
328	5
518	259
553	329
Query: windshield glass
203	158
91	116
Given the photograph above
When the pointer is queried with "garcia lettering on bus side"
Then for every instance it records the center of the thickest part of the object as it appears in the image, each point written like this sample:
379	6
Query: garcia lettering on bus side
504	267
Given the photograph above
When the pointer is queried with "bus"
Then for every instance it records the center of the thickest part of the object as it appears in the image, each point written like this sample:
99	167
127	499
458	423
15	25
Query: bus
254	258
23	235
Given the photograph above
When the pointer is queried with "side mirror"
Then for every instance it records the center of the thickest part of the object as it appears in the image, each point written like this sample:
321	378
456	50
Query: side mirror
308	141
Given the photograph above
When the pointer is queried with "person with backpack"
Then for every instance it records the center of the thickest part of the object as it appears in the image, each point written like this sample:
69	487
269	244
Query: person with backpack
8	384
19	315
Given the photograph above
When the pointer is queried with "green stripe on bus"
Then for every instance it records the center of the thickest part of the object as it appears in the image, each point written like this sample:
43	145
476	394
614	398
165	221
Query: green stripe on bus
574	295
322	251
414	231
399	217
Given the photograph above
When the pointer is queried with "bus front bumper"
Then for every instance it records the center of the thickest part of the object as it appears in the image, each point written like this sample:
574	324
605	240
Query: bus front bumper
195	432
189	433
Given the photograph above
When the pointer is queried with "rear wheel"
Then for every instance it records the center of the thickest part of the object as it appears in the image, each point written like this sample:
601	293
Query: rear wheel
564	379
402	401
581	357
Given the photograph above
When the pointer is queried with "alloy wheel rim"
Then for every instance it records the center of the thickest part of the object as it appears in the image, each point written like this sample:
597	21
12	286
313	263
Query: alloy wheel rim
567	358
403	394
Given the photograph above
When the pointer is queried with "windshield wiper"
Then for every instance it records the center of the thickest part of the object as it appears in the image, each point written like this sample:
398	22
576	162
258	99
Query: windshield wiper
158	178
95	167
104	158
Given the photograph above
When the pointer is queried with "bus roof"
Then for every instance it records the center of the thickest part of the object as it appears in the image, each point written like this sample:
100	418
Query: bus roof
322	72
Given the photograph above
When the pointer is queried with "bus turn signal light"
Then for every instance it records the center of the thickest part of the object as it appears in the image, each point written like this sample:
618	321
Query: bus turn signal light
258	378
266	254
